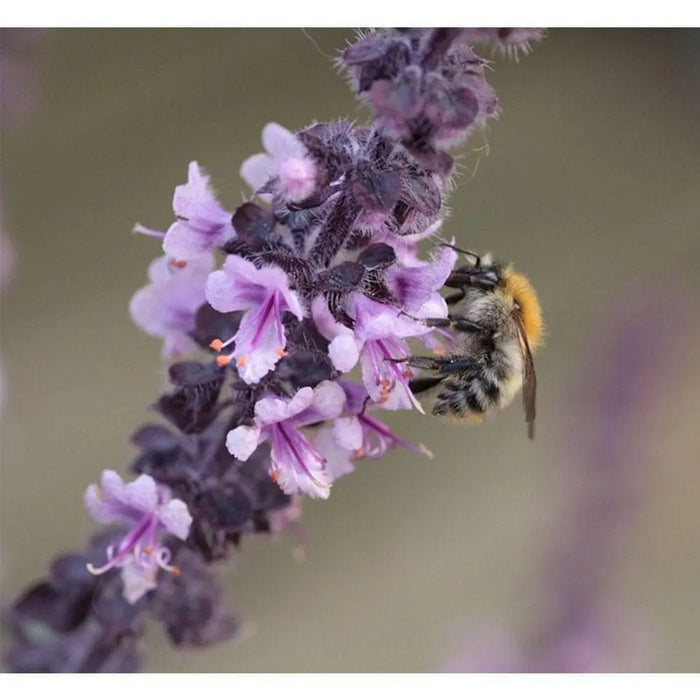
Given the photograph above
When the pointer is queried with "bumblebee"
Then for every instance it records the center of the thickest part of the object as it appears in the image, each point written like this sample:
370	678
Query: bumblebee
496	320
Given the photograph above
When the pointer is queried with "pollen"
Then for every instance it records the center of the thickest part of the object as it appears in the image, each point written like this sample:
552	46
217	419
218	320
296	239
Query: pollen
281	351
223	360
440	350
176	571
148	549
359	453
179	264
242	361
216	344
274	476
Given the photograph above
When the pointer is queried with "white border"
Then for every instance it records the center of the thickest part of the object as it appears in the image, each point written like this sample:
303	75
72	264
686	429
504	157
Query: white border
340	686
355	13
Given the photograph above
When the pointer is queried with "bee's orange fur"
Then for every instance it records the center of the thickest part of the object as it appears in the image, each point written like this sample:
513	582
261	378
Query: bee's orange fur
518	287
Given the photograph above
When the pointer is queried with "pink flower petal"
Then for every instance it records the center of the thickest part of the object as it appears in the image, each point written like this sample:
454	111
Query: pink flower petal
242	441
260	341
297	466
220	291
280	143
297	178
137	580
339	461
274	409
347	432
182	242
176	518
329	399
256	171
344	352
374	321
142	494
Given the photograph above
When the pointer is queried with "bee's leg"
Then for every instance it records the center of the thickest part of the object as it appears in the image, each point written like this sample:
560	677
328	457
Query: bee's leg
477	277
456	297
422	384
418	361
458	322
436	322
465	325
455	366
444	365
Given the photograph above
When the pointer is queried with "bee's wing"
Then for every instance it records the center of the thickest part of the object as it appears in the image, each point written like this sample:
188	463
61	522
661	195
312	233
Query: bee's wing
529	377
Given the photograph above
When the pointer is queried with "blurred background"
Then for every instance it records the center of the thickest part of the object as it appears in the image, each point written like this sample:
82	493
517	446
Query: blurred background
589	182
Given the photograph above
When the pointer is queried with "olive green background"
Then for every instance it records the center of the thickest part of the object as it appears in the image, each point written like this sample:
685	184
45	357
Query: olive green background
591	185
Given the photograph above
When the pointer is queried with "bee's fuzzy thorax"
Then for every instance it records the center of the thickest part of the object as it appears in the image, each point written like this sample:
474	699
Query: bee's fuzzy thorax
518	287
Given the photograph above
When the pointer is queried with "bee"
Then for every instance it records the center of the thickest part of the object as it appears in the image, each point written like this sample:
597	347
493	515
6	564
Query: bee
496	320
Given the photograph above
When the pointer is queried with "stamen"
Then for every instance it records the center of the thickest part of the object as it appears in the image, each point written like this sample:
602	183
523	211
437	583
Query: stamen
99	570
162	559
242	361
179	264
223	360
275	476
148	231
281	351
218	344
359	453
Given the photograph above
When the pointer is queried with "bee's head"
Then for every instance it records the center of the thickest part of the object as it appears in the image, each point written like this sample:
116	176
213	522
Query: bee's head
524	297
484	272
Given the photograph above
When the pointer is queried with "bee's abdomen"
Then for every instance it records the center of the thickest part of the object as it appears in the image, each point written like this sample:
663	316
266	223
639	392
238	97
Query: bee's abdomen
476	396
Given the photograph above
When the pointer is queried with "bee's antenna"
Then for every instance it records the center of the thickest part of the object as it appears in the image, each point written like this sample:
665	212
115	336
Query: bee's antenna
445	244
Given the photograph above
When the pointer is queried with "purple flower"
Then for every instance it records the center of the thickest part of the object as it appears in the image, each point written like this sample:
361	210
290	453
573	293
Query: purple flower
363	433
202	223
149	510
406	246
286	166
166	307
417	286
332	443
264	294
381	329
295	464
356	434
377	343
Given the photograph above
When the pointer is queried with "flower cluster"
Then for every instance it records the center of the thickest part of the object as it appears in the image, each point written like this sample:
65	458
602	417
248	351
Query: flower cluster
318	272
